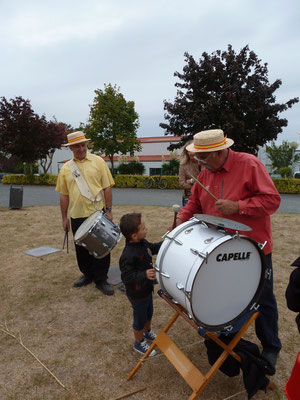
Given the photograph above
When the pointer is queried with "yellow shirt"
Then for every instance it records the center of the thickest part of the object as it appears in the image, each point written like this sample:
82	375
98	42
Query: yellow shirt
98	177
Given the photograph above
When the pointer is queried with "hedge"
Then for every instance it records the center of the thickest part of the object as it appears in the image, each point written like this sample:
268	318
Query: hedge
283	185
287	186
45	179
138	181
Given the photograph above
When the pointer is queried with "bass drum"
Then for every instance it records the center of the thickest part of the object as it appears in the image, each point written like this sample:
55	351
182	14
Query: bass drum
98	234
217	277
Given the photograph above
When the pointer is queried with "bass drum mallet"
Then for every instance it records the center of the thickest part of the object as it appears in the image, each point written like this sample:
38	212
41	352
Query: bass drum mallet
176	208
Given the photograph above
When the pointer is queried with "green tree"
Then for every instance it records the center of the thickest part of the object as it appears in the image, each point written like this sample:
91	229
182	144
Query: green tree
112	123
283	155
230	91
171	167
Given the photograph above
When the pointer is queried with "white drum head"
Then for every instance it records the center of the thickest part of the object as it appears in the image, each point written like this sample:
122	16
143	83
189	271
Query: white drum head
85	227
227	283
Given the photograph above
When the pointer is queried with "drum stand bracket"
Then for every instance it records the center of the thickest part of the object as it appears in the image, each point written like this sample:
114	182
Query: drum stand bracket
189	372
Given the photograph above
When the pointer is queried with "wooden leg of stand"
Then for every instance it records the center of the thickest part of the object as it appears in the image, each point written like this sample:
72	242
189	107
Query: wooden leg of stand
146	355
228	349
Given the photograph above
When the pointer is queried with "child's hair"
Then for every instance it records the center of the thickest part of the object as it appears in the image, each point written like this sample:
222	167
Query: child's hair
129	224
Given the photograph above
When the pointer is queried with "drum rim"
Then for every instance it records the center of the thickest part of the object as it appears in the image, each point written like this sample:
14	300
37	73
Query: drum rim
186	224
90	228
258	292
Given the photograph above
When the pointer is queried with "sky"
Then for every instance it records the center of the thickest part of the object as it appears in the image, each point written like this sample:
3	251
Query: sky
57	53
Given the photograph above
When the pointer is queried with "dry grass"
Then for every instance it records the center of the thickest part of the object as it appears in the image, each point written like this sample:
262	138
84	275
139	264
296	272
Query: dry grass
85	338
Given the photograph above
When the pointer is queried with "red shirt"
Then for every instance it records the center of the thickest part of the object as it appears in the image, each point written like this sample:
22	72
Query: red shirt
245	179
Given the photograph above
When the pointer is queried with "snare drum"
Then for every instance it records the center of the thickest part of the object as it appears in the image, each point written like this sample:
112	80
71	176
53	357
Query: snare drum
98	234
217	277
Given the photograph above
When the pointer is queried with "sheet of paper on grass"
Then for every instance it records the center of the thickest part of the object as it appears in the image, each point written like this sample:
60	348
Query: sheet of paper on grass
114	275
41	251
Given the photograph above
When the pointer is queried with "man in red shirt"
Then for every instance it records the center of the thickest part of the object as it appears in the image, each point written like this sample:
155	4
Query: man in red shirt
246	194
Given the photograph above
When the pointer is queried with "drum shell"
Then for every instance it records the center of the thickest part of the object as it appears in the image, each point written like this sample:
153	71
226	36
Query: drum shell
203	285
98	234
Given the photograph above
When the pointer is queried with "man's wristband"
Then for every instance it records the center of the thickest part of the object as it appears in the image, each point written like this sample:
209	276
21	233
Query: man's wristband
108	208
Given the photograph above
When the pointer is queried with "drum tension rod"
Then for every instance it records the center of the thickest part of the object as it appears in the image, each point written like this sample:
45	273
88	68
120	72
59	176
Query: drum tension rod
202	255
236	235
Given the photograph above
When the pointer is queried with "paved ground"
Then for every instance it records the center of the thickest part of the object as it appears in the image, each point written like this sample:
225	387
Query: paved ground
46	195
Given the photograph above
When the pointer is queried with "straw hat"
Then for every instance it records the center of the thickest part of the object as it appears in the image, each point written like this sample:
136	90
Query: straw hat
212	140
76	137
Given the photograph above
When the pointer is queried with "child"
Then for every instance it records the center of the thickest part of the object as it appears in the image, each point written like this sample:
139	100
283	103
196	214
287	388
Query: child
138	275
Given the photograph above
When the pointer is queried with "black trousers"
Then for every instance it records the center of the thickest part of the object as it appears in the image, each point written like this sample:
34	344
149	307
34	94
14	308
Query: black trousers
90	266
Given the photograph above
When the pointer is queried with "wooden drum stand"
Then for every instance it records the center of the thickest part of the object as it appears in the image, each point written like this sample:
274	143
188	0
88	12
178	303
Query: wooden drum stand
189	372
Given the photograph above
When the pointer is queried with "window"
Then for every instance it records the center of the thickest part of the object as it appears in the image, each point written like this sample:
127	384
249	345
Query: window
155	171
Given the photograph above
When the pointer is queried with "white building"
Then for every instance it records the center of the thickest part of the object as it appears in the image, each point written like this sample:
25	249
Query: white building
153	149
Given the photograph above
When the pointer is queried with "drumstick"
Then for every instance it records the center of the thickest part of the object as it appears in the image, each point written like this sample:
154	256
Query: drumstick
176	209
203	187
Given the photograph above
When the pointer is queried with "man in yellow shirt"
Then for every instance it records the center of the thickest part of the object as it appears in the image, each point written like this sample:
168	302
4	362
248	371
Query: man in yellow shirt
98	178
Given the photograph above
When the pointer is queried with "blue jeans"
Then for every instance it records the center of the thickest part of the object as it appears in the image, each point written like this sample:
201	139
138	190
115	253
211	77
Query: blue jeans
142	311
266	325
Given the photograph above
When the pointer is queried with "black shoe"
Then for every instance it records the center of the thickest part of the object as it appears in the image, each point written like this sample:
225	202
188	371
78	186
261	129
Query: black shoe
105	288
270	357
83	281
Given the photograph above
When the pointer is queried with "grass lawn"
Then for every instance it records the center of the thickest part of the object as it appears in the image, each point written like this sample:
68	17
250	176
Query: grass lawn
85	338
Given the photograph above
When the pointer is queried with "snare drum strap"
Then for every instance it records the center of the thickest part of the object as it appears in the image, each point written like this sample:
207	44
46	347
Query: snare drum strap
81	182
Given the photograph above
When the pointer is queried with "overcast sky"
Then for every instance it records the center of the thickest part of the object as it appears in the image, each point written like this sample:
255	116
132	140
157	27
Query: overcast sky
56	53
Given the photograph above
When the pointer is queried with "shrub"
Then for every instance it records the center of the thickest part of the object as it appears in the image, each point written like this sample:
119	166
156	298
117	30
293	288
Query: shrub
171	168
44	179
131	168
138	181
287	186
285	172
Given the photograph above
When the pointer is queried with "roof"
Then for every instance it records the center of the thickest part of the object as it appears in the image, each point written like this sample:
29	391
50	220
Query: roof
147	158
159	139
167	157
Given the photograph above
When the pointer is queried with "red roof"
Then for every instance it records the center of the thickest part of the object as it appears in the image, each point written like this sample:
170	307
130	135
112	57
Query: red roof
152	139
142	158
159	139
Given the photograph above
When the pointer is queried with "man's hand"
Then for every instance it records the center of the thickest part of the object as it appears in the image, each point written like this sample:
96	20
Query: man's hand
66	224
227	207
109	214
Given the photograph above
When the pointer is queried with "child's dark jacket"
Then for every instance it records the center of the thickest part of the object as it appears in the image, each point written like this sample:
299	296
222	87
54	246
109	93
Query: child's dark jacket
134	262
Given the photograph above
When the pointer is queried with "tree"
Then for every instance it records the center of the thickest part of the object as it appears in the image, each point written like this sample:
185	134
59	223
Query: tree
171	167
55	134
112	123
229	91
282	156
26	135
20	129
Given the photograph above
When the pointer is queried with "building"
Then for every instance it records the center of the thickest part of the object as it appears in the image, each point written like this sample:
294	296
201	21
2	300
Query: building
262	155
154	152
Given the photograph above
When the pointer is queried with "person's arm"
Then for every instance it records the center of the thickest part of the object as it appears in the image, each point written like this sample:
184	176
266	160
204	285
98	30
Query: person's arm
292	293
64	205
107	192
154	247
185	182
259	197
